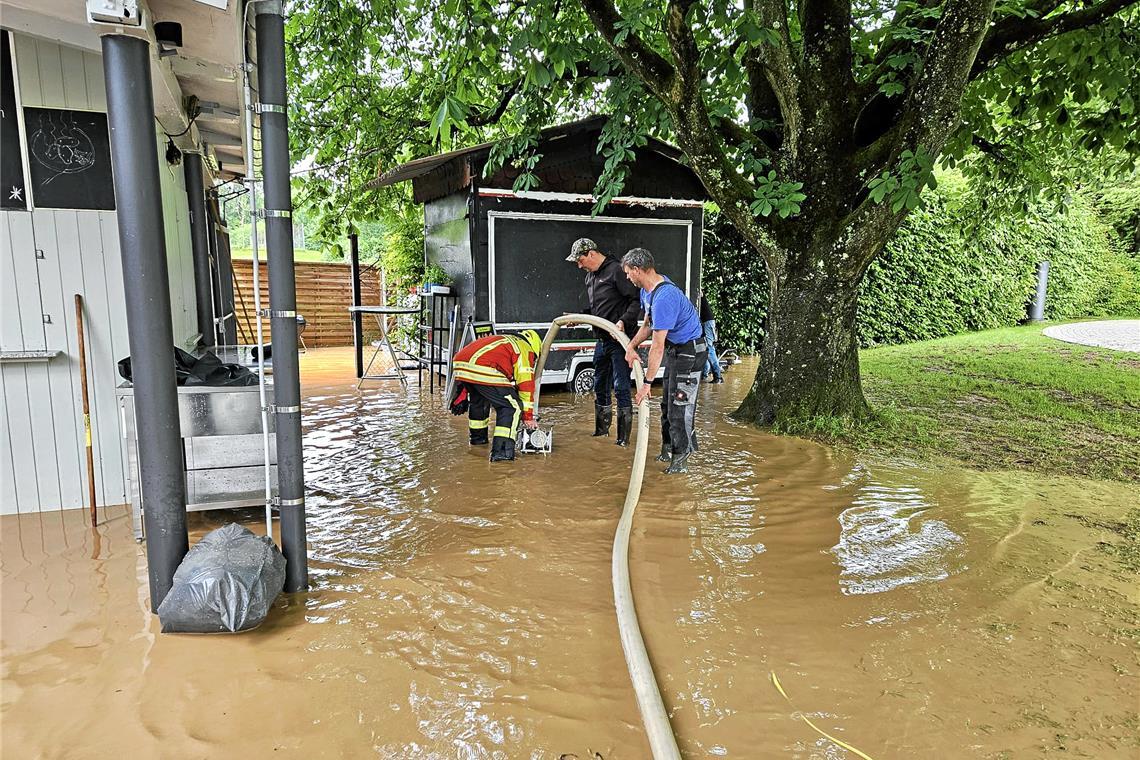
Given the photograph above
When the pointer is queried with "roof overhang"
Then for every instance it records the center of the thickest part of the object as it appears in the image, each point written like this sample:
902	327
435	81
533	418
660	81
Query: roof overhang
207	66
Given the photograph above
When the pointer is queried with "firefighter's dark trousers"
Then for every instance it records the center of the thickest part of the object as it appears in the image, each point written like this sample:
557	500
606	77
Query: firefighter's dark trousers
508	411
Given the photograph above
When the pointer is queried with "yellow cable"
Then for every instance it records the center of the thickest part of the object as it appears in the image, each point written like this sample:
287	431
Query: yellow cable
804	718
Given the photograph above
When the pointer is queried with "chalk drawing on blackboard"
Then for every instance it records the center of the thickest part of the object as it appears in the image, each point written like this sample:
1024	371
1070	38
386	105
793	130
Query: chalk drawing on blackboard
17	194
61	146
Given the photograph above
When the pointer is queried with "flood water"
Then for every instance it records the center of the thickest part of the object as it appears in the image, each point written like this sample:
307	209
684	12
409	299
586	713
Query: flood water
464	610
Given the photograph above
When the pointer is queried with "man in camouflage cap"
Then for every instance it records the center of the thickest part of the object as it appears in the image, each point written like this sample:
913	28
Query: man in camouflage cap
612	297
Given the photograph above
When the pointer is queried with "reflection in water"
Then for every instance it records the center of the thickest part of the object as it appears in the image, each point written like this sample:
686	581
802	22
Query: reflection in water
463	610
888	539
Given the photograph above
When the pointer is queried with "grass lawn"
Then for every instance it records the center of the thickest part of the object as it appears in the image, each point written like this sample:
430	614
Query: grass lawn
299	254
1003	399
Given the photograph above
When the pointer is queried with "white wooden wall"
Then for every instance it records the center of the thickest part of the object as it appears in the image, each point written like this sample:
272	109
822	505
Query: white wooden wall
42	457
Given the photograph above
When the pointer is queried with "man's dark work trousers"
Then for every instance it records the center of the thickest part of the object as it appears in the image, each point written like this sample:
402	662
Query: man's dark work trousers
684	364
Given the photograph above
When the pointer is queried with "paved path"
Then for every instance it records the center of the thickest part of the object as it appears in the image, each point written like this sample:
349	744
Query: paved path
1119	334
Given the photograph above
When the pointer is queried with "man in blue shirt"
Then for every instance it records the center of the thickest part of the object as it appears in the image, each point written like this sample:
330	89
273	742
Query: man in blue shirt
678	339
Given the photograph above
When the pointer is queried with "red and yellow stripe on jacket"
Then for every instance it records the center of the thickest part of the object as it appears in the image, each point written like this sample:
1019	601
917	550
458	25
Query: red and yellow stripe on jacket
504	360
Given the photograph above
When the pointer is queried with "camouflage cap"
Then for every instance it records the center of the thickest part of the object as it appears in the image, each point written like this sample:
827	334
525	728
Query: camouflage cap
581	247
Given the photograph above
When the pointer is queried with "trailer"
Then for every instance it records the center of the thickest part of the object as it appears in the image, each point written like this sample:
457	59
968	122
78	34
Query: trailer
505	250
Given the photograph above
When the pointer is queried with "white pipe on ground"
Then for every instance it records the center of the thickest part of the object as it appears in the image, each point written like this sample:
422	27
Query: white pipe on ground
662	742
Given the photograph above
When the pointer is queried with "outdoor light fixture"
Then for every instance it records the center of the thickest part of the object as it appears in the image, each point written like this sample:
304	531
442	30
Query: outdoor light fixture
168	34
117	12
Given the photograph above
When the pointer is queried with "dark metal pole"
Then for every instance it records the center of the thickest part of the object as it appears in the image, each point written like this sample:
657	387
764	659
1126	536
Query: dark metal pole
1037	313
282	291
224	266
200	245
142	243
357	328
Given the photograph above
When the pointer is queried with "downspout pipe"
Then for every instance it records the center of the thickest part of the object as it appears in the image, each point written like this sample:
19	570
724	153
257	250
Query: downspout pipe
278	213
659	732
146	291
200	246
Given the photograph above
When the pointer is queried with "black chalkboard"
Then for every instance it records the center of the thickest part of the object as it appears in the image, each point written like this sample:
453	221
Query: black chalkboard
533	282
13	194
69	157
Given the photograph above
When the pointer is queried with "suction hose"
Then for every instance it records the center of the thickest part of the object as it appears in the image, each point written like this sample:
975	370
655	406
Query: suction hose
660	734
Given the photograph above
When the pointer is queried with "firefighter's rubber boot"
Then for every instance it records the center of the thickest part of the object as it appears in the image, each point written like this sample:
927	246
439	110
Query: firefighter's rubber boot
502	449
603	416
478	436
666	452
624	424
677	463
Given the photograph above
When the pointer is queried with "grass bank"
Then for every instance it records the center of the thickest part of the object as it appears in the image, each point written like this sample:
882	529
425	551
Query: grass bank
1001	399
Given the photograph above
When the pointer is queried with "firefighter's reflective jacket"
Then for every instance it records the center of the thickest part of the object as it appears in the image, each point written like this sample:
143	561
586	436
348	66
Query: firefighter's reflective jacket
502	360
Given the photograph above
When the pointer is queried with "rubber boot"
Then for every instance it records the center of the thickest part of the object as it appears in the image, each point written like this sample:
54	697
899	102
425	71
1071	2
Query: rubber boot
624	425
666	452
677	464
603	416
503	449
478	436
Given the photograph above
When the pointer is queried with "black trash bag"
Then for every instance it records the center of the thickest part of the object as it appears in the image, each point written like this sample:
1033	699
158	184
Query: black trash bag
267	348
206	369
226	582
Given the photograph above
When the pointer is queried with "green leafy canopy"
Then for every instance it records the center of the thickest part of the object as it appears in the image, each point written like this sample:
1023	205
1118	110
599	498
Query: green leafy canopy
779	107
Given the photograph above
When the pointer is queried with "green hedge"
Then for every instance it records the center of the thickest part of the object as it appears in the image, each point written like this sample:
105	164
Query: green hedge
950	269
1119	207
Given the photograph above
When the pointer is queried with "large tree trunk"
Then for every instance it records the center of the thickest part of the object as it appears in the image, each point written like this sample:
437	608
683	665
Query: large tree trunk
809	364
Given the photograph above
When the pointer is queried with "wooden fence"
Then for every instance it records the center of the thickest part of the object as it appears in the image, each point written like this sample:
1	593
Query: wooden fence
324	293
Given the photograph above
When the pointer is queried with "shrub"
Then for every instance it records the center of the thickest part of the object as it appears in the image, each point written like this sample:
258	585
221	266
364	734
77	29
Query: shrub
1119	207
950	269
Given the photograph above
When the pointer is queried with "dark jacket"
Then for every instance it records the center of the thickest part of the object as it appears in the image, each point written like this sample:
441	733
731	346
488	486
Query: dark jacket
706	310
613	296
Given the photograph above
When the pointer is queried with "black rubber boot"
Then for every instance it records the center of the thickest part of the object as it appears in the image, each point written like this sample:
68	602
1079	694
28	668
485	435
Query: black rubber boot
625	424
666	452
677	464
479	437
503	449
603	416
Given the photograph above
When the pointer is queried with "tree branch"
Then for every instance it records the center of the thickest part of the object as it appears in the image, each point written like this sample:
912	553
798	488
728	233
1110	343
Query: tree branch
735	134
993	151
1011	34
639	58
492	115
928	118
779	72
826	27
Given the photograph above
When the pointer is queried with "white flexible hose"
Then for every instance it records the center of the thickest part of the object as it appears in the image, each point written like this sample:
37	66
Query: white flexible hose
657	728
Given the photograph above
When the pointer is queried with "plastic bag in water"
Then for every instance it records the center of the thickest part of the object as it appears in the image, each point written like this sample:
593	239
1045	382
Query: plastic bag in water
226	582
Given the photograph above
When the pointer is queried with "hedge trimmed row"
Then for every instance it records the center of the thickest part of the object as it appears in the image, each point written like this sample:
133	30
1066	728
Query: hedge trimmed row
949	270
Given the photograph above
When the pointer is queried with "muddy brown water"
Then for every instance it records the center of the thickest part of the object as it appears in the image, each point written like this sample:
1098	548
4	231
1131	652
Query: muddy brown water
463	610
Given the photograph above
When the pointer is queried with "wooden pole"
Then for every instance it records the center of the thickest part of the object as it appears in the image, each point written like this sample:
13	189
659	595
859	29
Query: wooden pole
86	407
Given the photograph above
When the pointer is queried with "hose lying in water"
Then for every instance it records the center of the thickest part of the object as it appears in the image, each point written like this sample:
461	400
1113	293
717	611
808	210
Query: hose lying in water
660	734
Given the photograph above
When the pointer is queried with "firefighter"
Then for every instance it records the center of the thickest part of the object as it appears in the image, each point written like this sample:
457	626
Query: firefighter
497	371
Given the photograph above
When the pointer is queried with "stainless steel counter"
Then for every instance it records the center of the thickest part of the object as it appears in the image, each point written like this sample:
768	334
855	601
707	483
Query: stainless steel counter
223	455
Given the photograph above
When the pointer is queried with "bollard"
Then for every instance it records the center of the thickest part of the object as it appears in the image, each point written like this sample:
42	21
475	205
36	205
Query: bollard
1037	310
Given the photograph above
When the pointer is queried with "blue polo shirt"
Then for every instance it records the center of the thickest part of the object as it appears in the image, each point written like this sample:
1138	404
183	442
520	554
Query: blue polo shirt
671	310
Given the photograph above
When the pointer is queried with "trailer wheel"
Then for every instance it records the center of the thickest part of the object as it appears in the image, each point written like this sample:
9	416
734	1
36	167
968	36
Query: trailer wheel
583	382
